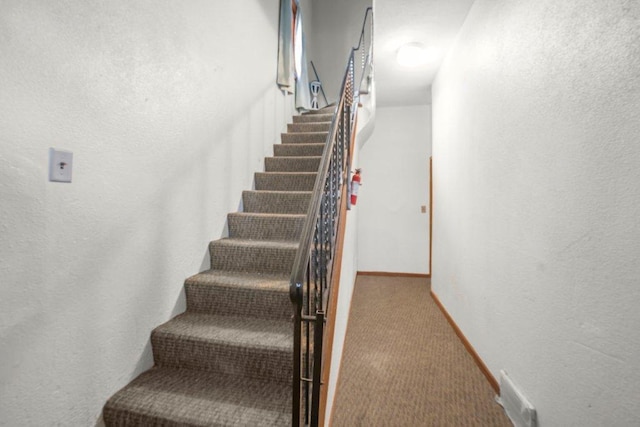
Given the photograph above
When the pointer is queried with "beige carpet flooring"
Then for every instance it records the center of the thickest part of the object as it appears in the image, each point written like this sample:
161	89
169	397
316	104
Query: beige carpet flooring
403	365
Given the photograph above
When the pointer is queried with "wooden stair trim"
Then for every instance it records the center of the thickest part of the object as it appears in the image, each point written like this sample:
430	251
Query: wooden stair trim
476	357
333	298
392	274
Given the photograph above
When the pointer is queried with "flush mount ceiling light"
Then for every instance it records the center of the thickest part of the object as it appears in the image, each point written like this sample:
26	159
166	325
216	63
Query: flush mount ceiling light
413	54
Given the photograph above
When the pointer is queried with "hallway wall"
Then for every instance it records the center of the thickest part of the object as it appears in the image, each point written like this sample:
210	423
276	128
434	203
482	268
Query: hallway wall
536	117
348	274
167	119
336	25
393	233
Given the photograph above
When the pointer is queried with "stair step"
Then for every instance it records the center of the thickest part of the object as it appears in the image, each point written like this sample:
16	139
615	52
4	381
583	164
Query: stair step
181	397
292	164
324	110
285	181
287	202
253	255
243	346
298	150
311	118
304	137
233	293
309	127
259	226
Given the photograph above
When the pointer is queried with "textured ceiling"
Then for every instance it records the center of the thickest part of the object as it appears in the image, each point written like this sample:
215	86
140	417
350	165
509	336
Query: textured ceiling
434	23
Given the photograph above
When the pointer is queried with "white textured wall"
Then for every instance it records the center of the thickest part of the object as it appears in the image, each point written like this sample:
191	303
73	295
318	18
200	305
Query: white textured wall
168	108
537	199
393	233
347	281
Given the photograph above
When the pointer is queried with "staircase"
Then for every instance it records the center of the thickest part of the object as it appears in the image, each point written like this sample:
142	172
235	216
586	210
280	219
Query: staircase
228	360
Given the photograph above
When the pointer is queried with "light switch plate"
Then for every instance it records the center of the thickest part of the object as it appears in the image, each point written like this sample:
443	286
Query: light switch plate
60	165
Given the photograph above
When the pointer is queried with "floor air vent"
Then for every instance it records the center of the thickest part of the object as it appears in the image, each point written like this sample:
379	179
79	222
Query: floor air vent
518	409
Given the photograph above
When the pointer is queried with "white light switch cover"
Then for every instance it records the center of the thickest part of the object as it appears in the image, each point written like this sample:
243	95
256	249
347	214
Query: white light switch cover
60	165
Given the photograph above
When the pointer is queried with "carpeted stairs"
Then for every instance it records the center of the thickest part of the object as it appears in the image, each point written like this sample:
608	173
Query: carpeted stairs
228	360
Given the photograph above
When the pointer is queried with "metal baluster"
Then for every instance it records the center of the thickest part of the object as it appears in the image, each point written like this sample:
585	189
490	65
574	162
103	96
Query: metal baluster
310	285
317	374
297	383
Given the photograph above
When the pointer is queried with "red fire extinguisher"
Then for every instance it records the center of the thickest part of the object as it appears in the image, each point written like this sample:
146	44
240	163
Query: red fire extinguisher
355	185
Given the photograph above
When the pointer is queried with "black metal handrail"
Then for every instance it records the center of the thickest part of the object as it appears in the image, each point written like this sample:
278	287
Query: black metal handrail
311	276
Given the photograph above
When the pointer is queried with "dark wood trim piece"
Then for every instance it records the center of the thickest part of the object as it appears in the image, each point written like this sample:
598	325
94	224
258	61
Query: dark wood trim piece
390	274
430	212
332	306
346	332
483	368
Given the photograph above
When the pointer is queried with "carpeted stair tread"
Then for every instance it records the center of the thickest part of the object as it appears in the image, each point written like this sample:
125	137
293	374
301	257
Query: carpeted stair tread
296	150
179	397
261	226
329	109
263	244
234	293
253	255
260	333
285	181
309	127
290	202
292	164
245	346
275	282
313	118
304	138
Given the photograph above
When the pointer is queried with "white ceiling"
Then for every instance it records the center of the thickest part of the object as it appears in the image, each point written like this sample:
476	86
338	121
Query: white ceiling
434	23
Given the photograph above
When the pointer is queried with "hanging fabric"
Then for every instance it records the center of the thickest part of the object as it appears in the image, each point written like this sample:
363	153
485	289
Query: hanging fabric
286	74
303	92
292	56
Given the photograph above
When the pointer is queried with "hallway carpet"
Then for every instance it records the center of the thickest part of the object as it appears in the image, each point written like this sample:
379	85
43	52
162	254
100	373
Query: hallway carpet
403	365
